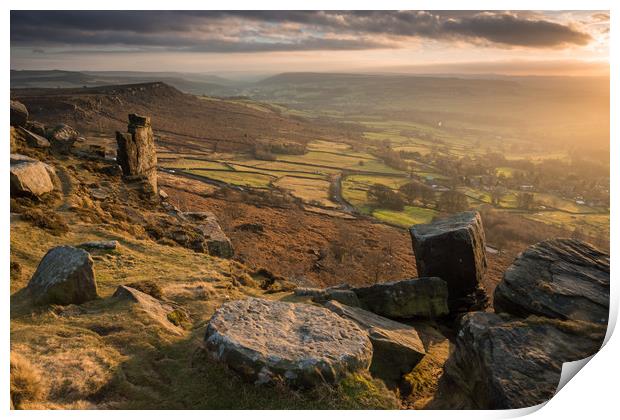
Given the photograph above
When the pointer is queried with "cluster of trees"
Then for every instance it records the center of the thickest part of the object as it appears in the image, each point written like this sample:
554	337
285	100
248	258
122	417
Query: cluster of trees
577	177
525	201
288	148
391	157
385	197
268	151
450	201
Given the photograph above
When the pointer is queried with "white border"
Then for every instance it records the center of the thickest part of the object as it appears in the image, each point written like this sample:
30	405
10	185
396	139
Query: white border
591	395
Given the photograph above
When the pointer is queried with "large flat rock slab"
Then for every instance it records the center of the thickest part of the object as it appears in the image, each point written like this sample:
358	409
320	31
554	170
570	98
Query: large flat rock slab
302	345
501	362
424	297
454	250
397	348
560	278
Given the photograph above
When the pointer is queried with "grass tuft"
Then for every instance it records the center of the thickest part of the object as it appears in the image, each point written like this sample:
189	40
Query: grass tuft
26	382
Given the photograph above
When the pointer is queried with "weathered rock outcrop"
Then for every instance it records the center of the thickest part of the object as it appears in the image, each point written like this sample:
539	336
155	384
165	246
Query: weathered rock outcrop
551	307
559	278
99	245
341	293
136	154
302	345
504	362
36	127
397	348
214	240
32	139
65	275
162	313
454	249
30	177
62	138
19	114
424	297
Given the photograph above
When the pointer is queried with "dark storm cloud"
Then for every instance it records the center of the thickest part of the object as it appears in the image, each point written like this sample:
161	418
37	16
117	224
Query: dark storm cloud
248	31
508	29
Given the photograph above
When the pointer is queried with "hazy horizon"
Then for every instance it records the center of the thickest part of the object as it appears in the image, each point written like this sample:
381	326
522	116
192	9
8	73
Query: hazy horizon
561	43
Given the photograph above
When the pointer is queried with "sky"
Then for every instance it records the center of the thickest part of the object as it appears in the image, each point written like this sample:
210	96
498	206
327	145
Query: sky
266	42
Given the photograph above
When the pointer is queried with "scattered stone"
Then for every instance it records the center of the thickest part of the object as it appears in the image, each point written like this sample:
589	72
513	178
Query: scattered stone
424	297
309	292
99	245
14	140
136	154
97	150
454	250
346	297
62	138
163	195
19	114
340	294
36	127
18	158
170	208
216	241
397	348
149	287
156	310
112	170
302	345
32	139
30	177
65	275
503	363
559	278
250	227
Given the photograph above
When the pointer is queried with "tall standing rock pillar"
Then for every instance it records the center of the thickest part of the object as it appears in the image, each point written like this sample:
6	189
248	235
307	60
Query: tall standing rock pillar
454	249
136	153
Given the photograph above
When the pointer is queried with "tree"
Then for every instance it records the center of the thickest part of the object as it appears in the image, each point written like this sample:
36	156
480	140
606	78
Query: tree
411	191
452	201
385	197
525	201
496	195
416	191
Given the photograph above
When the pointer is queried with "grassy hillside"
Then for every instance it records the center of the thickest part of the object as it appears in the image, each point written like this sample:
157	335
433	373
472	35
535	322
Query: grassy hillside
114	353
183	121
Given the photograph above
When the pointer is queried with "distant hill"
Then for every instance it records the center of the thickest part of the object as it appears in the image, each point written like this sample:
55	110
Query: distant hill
181	120
197	84
564	110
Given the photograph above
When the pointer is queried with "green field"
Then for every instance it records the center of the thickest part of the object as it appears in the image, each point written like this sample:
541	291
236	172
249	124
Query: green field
244	179
323	159
310	191
364	181
193	164
562	204
273	173
407	218
592	224
285	166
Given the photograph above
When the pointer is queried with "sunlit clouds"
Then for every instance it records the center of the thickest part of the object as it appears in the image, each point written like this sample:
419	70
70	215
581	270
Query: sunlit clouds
275	41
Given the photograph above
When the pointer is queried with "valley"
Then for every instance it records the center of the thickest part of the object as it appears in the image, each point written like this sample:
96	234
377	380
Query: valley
309	210
306	147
